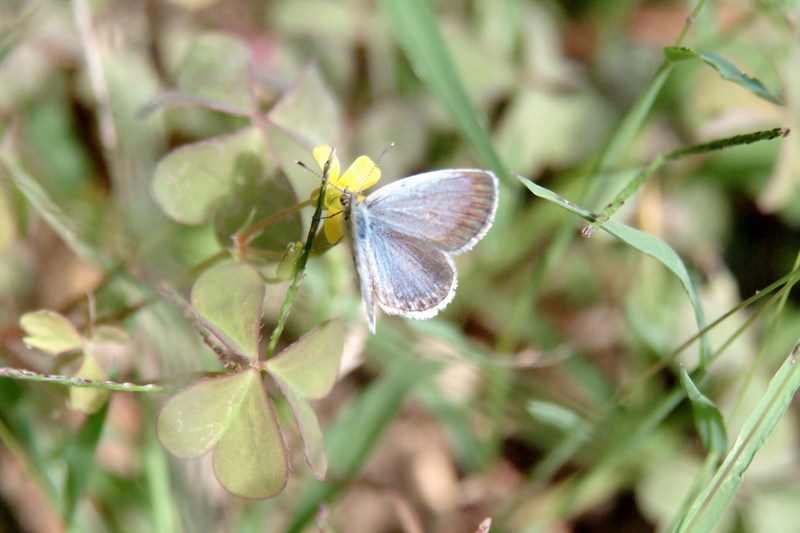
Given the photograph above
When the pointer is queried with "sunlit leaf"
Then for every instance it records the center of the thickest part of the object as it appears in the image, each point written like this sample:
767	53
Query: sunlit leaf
191	423
191	181
308	369
217	67
231	415
250	458
307	112
229	299
724	67
88	400
310	365
707	418
50	332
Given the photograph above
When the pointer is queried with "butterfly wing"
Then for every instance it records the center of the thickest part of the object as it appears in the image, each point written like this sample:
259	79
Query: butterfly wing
405	275
451	209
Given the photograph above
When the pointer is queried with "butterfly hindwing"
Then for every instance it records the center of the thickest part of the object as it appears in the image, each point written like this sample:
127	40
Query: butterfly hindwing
406	276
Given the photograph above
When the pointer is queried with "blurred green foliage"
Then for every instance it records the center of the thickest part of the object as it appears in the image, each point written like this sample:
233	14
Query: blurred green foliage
137	141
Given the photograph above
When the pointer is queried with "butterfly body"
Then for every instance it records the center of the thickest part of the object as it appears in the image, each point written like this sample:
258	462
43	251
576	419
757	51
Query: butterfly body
404	234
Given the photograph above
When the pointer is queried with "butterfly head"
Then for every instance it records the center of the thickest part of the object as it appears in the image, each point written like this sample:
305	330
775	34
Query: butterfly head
343	188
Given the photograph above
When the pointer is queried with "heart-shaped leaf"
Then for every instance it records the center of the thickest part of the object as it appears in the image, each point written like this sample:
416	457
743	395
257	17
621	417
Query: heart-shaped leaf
50	332
229	299
308	426
308	369
231	415
191	181
310	365
250	459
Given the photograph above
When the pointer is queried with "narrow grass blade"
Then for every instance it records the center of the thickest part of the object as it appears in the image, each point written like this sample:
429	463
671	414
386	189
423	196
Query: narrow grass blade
645	243
707	418
79	456
708	507
50	212
727	70
418	33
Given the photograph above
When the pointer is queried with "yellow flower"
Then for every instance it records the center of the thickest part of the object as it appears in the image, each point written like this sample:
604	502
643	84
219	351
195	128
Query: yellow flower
362	174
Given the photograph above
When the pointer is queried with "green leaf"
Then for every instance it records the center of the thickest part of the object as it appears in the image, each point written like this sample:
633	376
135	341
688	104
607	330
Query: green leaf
717	495
84	399
191	423
217	67
707	418
308	369
308	426
565	419
724	67
310	365
258	190
229	299
250	459
191	181
645	243
80	462
231	415
308	112
50	332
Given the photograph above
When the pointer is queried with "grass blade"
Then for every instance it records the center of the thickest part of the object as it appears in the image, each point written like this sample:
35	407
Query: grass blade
708	507
418	33
645	243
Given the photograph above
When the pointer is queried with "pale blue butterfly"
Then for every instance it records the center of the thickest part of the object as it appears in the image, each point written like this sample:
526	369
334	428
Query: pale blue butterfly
403	235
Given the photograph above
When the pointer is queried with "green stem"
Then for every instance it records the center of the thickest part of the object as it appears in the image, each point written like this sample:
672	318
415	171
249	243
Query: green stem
244	238
27	375
301	263
658	162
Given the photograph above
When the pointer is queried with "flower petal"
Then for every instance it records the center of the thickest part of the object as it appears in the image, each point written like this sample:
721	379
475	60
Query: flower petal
321	155
362	174
333	228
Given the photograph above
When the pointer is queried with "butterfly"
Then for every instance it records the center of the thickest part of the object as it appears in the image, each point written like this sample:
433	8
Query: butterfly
403	235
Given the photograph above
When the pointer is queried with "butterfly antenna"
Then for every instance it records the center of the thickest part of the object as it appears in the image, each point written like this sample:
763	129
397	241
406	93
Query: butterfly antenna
325	169
301	164
375	166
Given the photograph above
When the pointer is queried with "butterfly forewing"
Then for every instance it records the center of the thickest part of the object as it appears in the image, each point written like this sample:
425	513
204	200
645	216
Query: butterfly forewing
450	209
